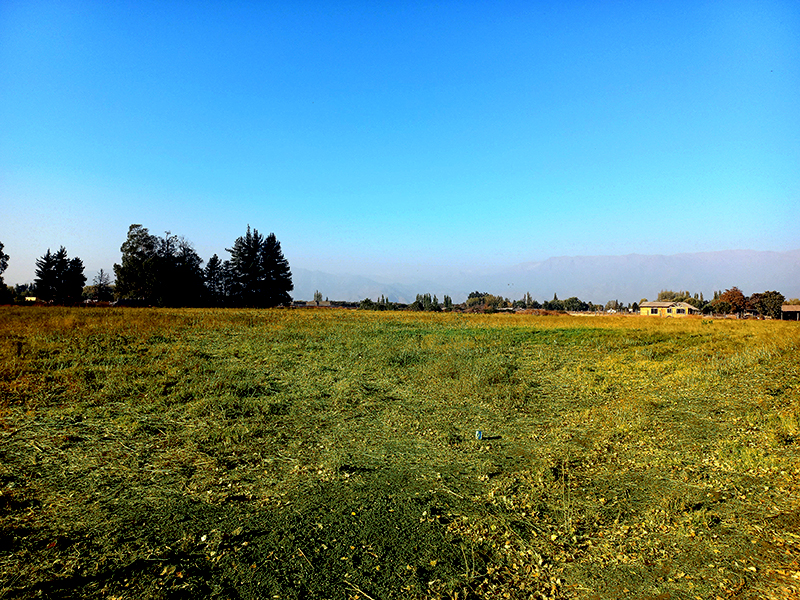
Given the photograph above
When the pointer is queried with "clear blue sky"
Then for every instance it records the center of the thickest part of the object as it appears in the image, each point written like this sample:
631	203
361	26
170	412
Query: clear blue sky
399	137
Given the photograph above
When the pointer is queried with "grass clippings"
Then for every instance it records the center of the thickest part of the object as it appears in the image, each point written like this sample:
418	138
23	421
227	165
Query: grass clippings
260	454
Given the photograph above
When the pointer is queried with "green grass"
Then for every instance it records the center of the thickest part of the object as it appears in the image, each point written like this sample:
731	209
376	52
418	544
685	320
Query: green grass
331	454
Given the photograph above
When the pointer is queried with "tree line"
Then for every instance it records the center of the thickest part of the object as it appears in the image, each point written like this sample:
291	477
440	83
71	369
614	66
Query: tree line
479	302
167	271
731	301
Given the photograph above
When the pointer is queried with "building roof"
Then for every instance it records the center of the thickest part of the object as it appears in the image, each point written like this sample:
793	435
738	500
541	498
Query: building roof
667	305
790	308
685	305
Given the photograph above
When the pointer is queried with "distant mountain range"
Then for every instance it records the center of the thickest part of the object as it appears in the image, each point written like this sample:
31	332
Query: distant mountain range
595	279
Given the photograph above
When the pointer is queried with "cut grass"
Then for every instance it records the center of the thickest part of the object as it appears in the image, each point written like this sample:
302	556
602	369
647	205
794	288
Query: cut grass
249	454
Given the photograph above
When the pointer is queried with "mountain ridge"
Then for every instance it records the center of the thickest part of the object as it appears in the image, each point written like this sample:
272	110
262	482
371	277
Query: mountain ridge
627	278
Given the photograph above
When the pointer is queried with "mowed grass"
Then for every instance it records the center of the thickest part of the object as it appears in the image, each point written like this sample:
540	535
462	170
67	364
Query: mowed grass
332	454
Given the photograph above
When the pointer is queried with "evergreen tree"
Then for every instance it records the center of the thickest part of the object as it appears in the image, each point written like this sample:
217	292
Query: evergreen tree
528	300
59	279
278	275
102	287
214	277
260	273
73	282
6	293
186	279
3	262
46	280
427	302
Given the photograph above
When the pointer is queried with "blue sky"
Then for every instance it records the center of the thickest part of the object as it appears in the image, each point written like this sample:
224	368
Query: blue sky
397	138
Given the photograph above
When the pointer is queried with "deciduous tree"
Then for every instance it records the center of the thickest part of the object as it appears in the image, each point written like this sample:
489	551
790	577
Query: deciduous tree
165	271
735	299
768	304
102	287
137	276
575	304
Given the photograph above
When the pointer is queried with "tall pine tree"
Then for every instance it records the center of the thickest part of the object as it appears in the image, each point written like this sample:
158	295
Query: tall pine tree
59	279
6	293
215	280
260	275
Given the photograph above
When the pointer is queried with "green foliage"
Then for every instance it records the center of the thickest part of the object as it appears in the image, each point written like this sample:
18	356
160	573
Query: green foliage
168	272
161	271
488	301
427	303
216	279
530	302
383	303
554	304
671	296
695	300
103	291
59	279
260	275
722	307
767	304
6	293
3	262
731	301
575	304
367	304
136	275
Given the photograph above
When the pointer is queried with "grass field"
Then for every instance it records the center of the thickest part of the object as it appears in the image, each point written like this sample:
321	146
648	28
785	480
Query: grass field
332	454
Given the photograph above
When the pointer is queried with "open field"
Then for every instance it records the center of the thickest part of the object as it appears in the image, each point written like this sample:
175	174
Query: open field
332	454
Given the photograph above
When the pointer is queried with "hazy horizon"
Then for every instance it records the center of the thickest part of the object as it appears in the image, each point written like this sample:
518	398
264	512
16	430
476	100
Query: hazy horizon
399	140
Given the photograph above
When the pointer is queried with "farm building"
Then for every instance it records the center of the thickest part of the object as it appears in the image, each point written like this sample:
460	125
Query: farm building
668	309
310	303
790	312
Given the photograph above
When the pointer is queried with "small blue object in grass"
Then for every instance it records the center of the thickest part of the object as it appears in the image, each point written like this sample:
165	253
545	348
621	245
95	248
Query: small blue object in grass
478	435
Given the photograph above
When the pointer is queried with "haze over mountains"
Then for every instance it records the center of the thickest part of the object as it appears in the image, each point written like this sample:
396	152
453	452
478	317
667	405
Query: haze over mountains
595	279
